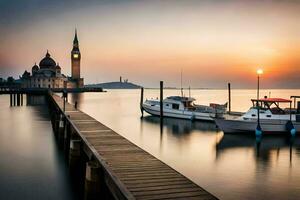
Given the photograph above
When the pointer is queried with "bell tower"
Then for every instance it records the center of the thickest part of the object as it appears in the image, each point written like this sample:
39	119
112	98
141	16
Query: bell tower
75	58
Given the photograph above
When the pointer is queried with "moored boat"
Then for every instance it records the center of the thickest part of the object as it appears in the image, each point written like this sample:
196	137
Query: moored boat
184	108
267	113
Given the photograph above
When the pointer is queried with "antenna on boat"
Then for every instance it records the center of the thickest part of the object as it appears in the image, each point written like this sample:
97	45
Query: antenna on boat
181	82
190	91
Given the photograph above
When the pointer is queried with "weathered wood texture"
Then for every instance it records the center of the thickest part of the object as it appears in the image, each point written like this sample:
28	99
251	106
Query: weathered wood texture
130	172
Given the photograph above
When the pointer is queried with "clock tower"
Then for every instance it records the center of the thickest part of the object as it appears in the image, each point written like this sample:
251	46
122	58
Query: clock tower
75	59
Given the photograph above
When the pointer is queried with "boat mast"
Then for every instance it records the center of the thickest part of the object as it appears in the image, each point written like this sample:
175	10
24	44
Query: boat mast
181	83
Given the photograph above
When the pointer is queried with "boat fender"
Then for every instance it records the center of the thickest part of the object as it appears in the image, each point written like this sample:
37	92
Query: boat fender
290	127
258	131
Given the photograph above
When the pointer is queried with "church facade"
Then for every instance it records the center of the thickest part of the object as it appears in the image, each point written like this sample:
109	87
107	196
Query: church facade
48	73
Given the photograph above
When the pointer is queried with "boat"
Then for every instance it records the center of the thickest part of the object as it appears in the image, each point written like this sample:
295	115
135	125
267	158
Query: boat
266	112
184	108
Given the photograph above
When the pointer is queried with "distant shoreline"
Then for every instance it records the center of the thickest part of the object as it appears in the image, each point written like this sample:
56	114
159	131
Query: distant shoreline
115	85
129	85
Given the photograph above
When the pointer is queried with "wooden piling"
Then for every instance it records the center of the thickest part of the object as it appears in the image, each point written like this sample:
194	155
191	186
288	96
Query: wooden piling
67	137
161	99
229	98
56	123
18	99
92	184
21	99
11	99
14	99
141	101
74	154
61	131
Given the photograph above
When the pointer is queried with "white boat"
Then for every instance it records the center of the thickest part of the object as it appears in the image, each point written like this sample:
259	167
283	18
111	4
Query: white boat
184	108
272	118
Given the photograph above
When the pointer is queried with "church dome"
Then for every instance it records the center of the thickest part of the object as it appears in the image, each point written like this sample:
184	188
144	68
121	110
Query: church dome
47	62
57	66
35	67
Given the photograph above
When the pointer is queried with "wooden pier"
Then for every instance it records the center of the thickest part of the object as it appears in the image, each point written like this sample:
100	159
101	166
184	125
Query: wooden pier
114	165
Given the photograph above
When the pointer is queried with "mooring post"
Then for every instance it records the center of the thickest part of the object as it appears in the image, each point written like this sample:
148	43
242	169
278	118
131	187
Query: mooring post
56	127
74	153
92	186
141	101
67	136
61	129
14	99
77	160
229	98
18	99
161	99
11	99
21	99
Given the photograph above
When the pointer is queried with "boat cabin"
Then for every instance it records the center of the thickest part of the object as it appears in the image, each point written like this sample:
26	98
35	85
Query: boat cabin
179	103
273	104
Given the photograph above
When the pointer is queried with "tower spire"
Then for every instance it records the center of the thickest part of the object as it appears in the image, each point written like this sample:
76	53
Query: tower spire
75	41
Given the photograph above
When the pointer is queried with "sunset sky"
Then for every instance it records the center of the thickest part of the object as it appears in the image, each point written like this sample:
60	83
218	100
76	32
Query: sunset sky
213	42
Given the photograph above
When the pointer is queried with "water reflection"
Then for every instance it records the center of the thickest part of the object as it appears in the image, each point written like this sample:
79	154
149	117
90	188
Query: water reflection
180	127
263	147
229	166
32	166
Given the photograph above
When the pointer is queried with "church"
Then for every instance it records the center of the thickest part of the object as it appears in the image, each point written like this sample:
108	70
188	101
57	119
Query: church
48	73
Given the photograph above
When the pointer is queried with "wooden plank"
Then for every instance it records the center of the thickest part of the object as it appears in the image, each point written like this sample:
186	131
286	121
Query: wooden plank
157	184
165	191
129	171
163	187
172	195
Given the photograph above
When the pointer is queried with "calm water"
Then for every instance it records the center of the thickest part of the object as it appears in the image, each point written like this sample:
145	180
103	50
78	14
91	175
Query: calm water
31	164
229	166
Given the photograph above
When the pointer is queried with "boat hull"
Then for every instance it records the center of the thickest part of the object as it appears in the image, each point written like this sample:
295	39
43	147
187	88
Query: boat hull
241	126
155	110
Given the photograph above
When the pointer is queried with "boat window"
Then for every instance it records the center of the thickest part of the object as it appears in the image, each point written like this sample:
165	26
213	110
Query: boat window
167	104
253	115
175	106
268	115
